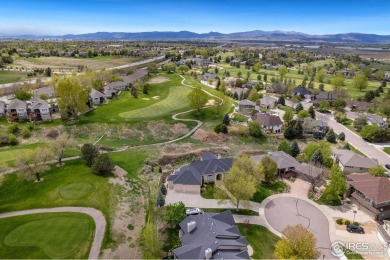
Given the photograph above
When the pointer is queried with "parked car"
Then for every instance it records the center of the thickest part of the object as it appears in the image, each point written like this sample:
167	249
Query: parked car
355	229
194	211
387	166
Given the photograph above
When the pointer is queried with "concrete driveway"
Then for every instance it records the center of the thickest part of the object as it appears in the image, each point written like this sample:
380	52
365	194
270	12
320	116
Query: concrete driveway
289	211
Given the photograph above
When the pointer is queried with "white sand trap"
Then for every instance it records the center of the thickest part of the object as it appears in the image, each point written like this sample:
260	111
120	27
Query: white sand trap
146	98
210	102
157	80
156	97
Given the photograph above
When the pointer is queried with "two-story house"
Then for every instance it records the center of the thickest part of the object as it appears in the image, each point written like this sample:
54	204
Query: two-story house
17	111
246	106
268	122
39	110
97	97
371	194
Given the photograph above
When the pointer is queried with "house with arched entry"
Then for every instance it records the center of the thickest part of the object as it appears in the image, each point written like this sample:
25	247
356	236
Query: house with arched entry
191	177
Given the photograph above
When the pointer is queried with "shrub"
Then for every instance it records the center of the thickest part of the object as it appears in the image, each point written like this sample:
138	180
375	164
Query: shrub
342	136
12	140
356	223
255	130
53	133
130	227
221	128
347	222
339	221
26	133
160	200
163	189
102	165
13	129
331	136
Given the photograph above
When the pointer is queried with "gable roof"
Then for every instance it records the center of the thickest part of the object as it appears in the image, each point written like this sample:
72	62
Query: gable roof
375	188
17	103
359	104
37	103
327	95
214	231
282	159
375	119
349	158
267	119
96	94
49	91
268	100
301	91
310	122
246	102
188	178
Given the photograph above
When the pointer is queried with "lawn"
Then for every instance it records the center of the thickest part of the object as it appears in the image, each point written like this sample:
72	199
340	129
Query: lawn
172	97
261	239
131	161
386	150
209	192
264	191
12	76
48	235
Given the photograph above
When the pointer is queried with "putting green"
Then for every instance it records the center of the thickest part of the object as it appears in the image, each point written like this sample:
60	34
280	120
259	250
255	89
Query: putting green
57	236
76	190
176	100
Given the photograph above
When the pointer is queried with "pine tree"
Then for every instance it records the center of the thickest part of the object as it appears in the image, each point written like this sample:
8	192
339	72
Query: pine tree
346	146
342	136
312	112
330	136
298	129
226	119
317	157
295	150
160	200
282	101
289	133
163	189
298	108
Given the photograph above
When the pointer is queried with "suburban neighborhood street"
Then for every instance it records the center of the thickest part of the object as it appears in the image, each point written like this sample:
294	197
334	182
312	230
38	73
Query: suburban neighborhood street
368	149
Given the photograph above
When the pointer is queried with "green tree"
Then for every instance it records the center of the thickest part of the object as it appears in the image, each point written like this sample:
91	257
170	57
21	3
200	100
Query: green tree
23	95
303	114
320	76
337	81
48	72
72	98
288	117
297	242
359	123
324	105
169	67
163	189
380	74
34	162
312	112
342	136
285	147
253	95
152	68
145	89
336	188
340	117
60	144
183	69
360	81
295	150
317	158
256	67
298	129
268	169
282	70
377	171
331	136
150	242
282	101
198	98
298	108
103	165
174	214
160	200
255	129
289	133
89	153
221	128
226	119
234	181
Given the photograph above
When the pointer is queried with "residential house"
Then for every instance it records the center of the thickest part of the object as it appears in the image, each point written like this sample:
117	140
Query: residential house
2	108
250	84
230	81
239	91
359	105
25	54
302	92
17	111
268	122
39	111
371	194
211	236
311	126
276	87
49	91
111	90
191	177
201	62
373	119
246	106
351	162
310	172
285	162
83	54
208	77
268	102
325	96
97	97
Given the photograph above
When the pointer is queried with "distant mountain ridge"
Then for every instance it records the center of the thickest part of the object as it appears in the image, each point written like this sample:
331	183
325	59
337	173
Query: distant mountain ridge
249	35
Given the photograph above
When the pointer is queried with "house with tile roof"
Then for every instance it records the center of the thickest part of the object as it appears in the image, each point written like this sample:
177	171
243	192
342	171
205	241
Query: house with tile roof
371	194
268	122
17	111
351	162
211	236
191	177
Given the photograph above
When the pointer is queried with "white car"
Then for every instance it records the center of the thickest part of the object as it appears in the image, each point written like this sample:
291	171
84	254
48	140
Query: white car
194	211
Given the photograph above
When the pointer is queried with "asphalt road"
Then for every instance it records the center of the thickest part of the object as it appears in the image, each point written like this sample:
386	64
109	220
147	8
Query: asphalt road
289	211
365	147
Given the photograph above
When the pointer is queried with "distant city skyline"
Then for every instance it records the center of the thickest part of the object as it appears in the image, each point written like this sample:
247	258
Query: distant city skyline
88	16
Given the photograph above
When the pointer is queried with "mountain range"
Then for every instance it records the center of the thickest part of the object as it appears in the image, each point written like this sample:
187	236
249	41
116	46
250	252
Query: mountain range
257	35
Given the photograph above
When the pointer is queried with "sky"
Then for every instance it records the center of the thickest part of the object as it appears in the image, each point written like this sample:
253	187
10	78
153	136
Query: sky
57	17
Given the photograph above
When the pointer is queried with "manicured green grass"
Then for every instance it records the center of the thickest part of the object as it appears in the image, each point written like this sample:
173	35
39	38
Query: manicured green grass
209	192
287	108
48	235
246	212
17	193
264	191
172	97
322	62
261	239
386	150
352	255
12	76
131	161
77	190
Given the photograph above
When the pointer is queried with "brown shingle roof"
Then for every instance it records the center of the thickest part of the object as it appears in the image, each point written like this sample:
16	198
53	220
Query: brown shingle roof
376	189
267	120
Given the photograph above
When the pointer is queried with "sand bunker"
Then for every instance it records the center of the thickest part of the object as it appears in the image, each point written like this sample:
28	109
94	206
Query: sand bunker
157	80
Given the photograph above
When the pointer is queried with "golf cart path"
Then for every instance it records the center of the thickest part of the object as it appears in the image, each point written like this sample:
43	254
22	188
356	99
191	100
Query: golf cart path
98	217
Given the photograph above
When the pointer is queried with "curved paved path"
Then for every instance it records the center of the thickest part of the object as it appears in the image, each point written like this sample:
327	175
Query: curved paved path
98	217
281	212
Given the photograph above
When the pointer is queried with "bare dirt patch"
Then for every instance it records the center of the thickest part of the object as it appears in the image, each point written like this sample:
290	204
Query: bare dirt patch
157	80
212	137
128	219
210	102
156	97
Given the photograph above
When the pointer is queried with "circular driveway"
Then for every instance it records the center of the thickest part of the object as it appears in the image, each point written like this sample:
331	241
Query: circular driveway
289	211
